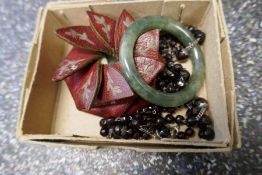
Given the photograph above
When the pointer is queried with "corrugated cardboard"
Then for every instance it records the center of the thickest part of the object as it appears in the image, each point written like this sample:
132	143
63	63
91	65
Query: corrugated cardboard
47	111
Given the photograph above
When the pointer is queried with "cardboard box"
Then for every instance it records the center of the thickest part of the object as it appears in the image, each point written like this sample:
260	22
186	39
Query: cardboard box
48	114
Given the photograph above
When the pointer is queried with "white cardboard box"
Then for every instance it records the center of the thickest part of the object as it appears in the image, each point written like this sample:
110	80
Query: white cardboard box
47	111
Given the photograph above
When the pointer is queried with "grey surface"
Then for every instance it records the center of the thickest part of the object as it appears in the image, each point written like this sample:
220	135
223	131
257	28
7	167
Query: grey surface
17	19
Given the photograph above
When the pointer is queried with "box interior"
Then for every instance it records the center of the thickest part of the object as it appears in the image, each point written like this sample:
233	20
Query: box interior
49	108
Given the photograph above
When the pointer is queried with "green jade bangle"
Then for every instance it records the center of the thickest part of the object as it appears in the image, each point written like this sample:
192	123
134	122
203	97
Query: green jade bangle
136	81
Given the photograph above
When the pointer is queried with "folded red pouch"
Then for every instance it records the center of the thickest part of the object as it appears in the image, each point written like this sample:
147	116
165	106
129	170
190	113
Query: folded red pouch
101	88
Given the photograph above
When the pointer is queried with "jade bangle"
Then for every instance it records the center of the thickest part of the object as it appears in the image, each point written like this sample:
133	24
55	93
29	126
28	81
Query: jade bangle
136	81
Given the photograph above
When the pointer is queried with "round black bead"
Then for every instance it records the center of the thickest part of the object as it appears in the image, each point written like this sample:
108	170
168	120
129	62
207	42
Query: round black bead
181	135
117	120
125	119
173	43
126	132
160	121
170	65
144	110
117	129
146	136
189	132
163	132
181	82
178	67
110	121
179	119
161	84
116	136
170	118
164	89
185	74
135	122
103	132
136	135
201	36
170	88
170	74
103	123
182	55
191	121
191	28
204	121
146	118
206	133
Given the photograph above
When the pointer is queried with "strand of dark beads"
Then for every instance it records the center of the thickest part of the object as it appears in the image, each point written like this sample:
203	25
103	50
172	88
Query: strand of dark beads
203	122
149	122
174	77
144	124
172	49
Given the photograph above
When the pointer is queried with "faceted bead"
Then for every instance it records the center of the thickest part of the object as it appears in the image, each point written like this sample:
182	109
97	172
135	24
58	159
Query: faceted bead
178	67
174	52
146	136
206	133
201	36
182	55
110	121
126	132
163	132
130	131
191	121
160	121
191	28
204	121
117	129
181	82
189	132
170	65
181	135
116	136
162	83
125	119
179	119
103	122
185	74
173	43
170	88
136	135
144	110
117	120
103	132
170	73
164	89
170	118
135	122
